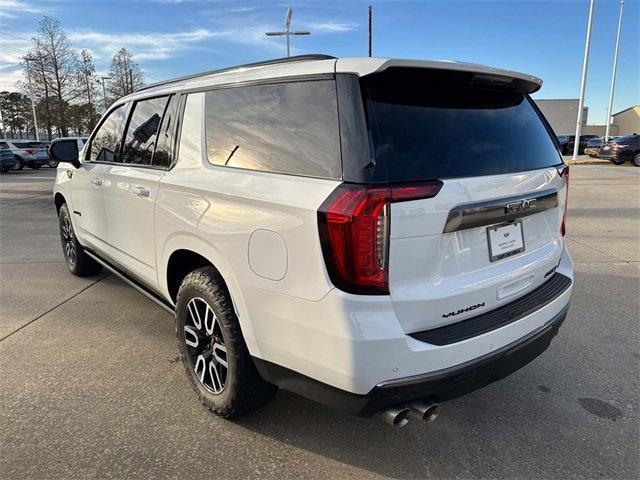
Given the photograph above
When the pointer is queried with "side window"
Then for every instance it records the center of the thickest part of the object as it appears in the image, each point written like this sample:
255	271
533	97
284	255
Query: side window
142	131
189	149
163	154
106	140
4	145
282	128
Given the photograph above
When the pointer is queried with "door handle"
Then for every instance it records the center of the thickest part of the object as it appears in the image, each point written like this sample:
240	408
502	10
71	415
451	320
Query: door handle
141	191
96	182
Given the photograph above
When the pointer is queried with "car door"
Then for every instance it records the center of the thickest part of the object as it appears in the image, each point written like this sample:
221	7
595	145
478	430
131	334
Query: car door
131	189
87	182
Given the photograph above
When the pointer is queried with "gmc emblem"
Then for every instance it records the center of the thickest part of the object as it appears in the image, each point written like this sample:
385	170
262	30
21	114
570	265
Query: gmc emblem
520	206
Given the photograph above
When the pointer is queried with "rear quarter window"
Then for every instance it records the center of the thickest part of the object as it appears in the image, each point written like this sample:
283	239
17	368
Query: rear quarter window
445	124
289	127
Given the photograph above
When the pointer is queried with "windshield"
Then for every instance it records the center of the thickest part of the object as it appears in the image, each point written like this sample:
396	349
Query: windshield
433	124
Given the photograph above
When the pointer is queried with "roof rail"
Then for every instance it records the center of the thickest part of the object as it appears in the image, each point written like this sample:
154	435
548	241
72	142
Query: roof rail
275	61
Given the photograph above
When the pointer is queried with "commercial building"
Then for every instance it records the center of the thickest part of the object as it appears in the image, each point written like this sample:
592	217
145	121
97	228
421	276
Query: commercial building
562	114
627	121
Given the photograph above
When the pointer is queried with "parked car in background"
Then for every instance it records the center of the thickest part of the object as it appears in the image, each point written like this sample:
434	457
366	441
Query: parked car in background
622	149
568	141
28	153
80	141
563	140
289	213
593	147
7	162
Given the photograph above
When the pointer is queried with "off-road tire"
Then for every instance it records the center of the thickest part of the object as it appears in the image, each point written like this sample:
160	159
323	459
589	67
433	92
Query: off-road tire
244	390
80	264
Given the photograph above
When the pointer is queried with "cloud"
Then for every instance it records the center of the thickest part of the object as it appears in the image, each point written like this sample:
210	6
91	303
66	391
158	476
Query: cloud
331	27
14	8
9	76
143	46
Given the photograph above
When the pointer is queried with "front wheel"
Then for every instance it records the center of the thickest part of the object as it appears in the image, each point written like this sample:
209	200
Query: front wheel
53	164
636	159
19	164
79	263
213	349
4	169
617	161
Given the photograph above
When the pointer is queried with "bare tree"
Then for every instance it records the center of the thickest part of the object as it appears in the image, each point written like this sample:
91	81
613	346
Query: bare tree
125	74
88	81
59	66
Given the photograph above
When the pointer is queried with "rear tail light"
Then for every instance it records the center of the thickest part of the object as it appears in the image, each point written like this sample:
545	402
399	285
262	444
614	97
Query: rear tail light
563	173
354	223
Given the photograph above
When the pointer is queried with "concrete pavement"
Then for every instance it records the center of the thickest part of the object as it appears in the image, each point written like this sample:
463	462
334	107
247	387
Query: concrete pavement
90	384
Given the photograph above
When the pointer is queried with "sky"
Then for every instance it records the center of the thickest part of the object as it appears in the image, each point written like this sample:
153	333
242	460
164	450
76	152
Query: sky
171	38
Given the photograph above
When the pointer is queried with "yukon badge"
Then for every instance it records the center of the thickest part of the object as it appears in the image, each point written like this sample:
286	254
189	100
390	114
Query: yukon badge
520	206
463	310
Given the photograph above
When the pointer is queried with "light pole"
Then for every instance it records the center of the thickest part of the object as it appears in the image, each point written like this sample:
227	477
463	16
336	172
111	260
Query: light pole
33	105
583	82
104	92
287	32
613	75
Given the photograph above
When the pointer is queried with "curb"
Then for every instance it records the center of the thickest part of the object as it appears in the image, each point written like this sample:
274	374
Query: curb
593	161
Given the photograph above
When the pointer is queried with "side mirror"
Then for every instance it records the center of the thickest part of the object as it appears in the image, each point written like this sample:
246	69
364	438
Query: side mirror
65	151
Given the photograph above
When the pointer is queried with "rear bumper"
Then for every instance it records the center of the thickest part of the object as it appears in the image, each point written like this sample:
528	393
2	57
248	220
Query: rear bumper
437	386
351	352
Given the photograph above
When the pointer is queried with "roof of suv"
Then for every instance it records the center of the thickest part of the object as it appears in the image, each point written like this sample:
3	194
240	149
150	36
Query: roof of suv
325	64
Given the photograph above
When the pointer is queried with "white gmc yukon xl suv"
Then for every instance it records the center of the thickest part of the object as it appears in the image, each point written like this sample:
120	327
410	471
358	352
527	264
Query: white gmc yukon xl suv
376	235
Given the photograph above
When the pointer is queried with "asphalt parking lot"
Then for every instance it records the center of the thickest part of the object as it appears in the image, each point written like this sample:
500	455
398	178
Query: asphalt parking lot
91	387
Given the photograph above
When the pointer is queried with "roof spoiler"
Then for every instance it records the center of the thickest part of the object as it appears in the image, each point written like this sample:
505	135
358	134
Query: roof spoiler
367	66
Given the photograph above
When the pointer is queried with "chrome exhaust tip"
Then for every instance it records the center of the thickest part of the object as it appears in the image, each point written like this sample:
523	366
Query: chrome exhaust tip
425	410
396	416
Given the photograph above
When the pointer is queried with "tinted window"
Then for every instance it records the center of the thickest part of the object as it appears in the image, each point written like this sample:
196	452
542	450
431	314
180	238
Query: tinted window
627	139
449	124
142	131
284	128
163	154
105	142
3	145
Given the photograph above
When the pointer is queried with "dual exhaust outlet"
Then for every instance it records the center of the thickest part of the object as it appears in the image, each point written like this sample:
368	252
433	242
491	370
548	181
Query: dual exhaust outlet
398	415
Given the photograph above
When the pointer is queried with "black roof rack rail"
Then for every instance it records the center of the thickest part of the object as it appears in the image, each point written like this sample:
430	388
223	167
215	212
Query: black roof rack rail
275	61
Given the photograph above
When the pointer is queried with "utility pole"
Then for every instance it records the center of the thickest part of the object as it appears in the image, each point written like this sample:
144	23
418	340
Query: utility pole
369	30
583	82
613	75
104	92
33	105
287	32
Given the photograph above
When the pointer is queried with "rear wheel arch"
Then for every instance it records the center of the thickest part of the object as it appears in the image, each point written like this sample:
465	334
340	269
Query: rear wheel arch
59	200
180	264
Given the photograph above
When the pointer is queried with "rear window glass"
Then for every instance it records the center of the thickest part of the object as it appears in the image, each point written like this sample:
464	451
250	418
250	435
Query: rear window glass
430	124
28	145
287	127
